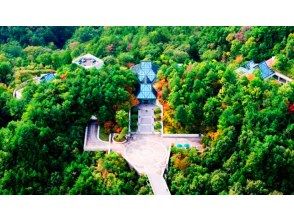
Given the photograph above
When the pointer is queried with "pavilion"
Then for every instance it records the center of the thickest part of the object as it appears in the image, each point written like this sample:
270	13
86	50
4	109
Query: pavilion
88	61
265	69
146	92
47	77
146	73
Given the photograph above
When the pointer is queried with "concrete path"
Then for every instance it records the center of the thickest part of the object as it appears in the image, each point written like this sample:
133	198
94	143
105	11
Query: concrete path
149	156
143	152
92	143
158	184
146	119
147	153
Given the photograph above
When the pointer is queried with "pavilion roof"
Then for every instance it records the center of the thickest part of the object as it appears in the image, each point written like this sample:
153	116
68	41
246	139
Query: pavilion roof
265	70
144	70
47	77
146	92
88	61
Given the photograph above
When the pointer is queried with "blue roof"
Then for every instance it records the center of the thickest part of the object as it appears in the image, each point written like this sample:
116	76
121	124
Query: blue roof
250	65
47	77
265	70
146	92
145	71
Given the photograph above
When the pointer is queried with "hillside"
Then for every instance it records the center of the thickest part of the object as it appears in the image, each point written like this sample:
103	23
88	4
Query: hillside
246	122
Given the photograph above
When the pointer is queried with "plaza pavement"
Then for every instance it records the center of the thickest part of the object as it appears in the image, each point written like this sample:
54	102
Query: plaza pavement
148	153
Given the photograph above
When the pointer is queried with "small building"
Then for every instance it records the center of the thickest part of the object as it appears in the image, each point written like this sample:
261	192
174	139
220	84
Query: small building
266	72
248	68
44	78
250	65
265	69
146	92
47	77
146	73
88	61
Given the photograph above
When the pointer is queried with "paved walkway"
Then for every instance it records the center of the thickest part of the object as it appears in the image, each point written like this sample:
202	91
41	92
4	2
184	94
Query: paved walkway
92	143
158	184
150	157
147	153
146	119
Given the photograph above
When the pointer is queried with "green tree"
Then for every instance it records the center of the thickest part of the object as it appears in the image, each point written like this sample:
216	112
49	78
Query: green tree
5	72
122	118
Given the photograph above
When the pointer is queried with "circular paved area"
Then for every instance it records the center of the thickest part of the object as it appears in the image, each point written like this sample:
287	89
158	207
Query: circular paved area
147	155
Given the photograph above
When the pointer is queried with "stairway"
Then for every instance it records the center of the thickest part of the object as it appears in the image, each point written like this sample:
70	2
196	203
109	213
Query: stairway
146	119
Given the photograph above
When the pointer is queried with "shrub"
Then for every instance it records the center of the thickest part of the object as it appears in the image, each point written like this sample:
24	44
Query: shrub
134	110
157	117
134	118
122	136
157	110
122	118
157	125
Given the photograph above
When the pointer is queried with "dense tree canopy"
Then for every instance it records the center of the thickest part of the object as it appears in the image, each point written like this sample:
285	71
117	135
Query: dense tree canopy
247	123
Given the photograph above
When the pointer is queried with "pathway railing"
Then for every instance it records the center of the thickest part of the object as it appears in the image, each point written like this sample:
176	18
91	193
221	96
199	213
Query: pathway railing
86	137
161	108
129	130
181	135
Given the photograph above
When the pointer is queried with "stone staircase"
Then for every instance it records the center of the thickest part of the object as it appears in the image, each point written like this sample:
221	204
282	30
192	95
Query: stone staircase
146	119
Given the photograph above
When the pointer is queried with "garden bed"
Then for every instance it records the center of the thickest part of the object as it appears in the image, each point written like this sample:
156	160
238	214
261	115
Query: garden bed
103	135
157	126
157	119
121	137
115	139
134	119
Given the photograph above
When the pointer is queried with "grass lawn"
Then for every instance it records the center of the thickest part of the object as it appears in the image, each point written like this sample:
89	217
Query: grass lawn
103	135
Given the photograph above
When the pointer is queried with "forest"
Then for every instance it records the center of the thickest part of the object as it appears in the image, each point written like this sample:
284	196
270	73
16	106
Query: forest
247	123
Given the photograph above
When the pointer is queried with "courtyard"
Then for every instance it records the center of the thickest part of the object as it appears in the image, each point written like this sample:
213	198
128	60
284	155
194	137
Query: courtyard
145	149
147	154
